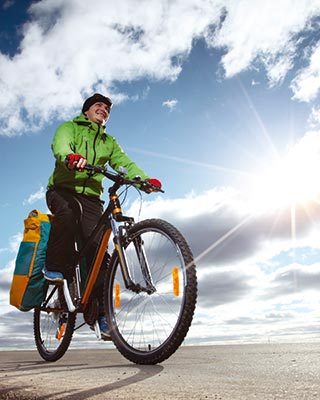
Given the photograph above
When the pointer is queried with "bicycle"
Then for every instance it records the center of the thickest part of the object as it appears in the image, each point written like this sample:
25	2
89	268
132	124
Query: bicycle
150	286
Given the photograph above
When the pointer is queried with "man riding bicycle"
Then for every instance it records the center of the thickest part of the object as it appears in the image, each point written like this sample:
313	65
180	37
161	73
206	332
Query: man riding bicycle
74	195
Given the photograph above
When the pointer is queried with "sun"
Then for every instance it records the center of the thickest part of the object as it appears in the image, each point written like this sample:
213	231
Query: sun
290	180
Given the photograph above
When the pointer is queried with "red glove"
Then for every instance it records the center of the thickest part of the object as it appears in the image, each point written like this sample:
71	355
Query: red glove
72	158
155	182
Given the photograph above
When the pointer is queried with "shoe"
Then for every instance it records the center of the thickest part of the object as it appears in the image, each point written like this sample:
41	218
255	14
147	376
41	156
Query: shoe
52	276
104	328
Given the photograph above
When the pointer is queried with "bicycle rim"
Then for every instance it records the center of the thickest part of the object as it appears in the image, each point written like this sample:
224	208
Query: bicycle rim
53	325
148	328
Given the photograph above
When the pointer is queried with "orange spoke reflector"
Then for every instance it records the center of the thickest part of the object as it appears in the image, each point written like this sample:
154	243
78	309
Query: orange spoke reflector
117	302
61	331
175	281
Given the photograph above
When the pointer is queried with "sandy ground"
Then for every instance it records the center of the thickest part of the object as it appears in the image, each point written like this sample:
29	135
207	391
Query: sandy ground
270	371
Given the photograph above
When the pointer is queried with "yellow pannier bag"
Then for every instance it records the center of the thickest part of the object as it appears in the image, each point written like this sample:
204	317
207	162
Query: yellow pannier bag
28	284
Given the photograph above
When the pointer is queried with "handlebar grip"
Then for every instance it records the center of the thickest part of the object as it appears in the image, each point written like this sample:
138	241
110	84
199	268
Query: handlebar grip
148	187
121	180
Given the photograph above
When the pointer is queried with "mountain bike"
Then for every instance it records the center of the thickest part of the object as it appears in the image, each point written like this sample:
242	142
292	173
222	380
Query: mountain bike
150	285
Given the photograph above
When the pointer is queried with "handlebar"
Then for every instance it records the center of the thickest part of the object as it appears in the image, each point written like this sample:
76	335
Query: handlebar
119	179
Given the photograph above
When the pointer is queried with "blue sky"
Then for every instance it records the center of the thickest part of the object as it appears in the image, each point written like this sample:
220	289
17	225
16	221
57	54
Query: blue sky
217	99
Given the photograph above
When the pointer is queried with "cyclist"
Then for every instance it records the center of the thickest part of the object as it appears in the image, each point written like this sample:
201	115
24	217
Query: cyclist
70	189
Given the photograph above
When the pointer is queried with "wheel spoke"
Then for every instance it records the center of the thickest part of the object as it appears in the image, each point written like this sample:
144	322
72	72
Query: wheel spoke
53	325
146	328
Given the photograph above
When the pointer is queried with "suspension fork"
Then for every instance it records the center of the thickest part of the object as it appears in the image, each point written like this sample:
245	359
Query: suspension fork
119	239
143	261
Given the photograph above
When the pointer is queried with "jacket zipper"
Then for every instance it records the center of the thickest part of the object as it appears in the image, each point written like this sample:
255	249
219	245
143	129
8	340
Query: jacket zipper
94	145
94	157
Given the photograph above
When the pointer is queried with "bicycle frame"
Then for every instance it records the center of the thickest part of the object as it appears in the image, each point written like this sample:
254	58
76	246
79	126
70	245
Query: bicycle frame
108	223
148	306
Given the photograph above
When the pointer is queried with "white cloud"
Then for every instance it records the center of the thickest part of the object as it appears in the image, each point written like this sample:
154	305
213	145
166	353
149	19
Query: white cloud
7	271
14	242
170	104
6	278
221	233
39	195
249	278
68	50
314	118
306	85
293	279
239	295
259	31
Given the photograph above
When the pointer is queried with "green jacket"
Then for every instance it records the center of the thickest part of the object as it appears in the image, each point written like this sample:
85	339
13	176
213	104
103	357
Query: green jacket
91	141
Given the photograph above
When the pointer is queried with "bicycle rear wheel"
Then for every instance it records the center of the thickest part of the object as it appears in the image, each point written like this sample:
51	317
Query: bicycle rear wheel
149	328
53	325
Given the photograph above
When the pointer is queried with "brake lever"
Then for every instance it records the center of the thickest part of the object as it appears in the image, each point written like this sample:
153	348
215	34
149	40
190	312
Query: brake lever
146	185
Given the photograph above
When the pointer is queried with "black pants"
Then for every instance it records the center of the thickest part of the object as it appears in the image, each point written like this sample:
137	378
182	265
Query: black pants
75	215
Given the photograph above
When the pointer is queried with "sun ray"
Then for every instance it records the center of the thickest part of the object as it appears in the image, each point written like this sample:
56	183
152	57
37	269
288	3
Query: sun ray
291	179
289	182
293	242
223	238
259	120
307	208
275	222
191	162
293	224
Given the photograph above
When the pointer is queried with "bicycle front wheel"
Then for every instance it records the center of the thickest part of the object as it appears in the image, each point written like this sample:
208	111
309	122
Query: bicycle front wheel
53	325
148	326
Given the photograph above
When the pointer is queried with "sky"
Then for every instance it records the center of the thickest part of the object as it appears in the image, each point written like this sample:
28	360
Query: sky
219	99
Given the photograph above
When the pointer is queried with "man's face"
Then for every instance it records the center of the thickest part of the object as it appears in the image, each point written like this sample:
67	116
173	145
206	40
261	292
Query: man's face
98	112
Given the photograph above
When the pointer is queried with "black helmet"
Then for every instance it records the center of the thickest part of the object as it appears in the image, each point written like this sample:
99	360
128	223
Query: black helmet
96	98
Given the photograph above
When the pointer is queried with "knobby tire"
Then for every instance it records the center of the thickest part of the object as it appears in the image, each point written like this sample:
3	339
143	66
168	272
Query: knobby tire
184	319
40	336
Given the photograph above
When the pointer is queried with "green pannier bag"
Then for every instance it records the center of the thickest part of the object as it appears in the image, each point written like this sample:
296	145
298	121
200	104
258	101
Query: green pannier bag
28	284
